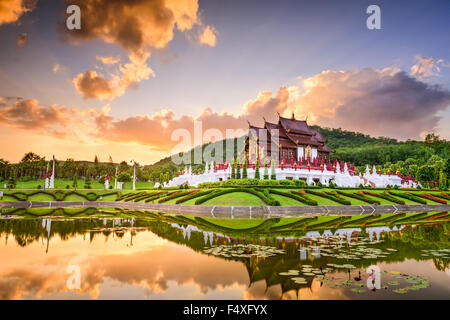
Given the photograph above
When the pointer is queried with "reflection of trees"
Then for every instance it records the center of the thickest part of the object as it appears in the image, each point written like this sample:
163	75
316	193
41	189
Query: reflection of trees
26	231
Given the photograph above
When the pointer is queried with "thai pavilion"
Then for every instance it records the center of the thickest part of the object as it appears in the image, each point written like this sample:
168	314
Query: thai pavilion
295	141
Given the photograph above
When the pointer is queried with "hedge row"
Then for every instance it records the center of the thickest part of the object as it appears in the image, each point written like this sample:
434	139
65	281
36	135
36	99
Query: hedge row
408	196
193	195
429	196
175	195
443	195
253	182
148	195
384	196
333	197
60	195
359	196
296	196
156	196
338	197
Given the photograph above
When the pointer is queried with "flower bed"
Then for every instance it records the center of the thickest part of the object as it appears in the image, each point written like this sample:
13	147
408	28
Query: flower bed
443	195
175	195
429	196
296	196
408	196
384	196
360	196
329	195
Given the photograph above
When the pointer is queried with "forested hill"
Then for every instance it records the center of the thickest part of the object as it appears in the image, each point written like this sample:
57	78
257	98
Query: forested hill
360	149
338	138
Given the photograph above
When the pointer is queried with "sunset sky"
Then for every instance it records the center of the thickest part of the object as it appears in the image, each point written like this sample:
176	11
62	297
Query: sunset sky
139	69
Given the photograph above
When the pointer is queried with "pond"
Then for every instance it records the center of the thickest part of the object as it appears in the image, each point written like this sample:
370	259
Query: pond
135	255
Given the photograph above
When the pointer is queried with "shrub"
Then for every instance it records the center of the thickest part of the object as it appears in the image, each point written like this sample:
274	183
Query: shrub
361	186
266	170
319	184
273	175
257	175
396	187
238	169
110	187
193	195
429	196
244	170
295	196
174	195
359	196
39	186
408	196
307	199
299	183
330	195
384	196
68	187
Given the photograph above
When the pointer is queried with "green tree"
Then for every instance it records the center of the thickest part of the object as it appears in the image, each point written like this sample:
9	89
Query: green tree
124	177
426	173
238	169
75	180
233	170
273	175
257	175
442	180
244	170
266	170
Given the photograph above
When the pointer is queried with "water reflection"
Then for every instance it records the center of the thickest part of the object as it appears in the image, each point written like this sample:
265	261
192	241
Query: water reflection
133	258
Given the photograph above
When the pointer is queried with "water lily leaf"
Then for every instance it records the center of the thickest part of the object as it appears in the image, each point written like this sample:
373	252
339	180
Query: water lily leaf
393	283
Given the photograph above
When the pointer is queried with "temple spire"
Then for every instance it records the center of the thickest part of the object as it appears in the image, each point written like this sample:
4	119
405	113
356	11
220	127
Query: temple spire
293	115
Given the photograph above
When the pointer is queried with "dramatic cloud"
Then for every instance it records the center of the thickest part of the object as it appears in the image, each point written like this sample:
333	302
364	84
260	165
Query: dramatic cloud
29	115
22	40
208	36
108	60
137	26
94	86
12	10
385	102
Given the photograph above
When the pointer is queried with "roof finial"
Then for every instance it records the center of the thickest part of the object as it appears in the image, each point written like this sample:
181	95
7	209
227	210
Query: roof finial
293	115
264	119
306	120
249	123
278	114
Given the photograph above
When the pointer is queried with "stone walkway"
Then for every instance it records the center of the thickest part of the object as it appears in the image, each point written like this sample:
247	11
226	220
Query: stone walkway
233	211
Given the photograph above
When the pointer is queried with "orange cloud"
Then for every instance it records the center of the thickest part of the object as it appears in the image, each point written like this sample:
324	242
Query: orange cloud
29	115
108	60
12	10
208	36
94	86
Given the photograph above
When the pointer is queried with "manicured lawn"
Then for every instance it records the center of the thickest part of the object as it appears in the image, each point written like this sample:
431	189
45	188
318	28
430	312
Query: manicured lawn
235	199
